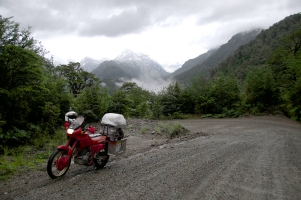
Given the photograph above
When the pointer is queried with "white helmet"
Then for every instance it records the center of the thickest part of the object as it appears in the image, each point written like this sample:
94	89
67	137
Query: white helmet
70	116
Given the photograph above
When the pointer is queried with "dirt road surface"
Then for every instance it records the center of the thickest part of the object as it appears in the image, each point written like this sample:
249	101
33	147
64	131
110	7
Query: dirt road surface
242	158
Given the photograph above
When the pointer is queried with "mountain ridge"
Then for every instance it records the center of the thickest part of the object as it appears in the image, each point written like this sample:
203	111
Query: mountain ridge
222	53
193	62
88	63
258	50
129	66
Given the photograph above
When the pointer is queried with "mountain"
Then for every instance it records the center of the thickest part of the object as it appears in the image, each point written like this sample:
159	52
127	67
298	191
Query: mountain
217	56
130	67
141	62
259	50
193	62
88	64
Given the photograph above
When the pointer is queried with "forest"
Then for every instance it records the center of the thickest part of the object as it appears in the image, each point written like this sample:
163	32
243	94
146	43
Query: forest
35	94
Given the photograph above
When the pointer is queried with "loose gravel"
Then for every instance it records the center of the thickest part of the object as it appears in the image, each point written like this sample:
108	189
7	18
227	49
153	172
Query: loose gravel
241	158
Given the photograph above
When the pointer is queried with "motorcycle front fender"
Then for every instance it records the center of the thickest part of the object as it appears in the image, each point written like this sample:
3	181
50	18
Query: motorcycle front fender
62	147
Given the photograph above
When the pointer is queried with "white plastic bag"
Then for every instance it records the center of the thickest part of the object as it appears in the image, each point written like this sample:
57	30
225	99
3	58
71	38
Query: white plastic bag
113	119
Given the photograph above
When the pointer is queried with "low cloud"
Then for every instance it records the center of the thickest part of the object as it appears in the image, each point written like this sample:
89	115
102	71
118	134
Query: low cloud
150	83
147	83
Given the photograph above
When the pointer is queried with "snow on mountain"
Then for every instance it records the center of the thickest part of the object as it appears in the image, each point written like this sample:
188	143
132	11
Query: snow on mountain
142	61
88	64
129	55
132	67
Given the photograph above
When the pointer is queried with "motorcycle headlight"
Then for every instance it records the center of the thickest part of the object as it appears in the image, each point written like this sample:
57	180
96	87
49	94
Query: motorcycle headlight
70	131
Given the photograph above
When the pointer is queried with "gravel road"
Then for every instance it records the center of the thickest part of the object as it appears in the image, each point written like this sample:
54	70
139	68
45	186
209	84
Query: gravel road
241	158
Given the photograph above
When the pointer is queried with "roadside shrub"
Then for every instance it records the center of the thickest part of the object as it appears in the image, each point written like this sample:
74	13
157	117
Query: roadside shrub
156	110
177	115
261	90
144	129
255	111
14	136
158	130
143	110
171	130
176	131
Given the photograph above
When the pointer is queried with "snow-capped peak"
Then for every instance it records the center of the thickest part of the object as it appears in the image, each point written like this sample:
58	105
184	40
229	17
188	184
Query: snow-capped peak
129	55
140	61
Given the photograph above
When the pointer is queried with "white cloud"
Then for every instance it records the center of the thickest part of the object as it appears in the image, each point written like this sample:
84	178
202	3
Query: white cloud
170	31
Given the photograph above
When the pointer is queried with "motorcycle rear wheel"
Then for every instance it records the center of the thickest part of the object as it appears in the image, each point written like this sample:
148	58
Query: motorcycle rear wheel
53	168
101	160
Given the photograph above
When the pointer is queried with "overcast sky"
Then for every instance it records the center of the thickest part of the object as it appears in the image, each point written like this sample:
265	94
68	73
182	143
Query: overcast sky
169	31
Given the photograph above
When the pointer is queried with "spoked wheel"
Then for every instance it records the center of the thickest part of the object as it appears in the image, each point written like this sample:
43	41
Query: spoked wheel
101	160
58	164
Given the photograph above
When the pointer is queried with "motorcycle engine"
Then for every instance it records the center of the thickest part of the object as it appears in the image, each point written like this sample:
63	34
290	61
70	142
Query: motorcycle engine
82	157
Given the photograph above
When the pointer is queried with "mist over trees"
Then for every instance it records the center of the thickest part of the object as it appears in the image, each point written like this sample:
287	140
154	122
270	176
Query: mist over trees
35	94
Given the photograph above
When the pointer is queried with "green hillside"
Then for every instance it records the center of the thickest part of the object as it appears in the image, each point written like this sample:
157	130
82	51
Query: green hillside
259	50
193	62
269	68
222	53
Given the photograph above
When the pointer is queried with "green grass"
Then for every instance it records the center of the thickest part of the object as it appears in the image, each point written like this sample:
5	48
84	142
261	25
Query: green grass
144	129
171	130
157	130
29	157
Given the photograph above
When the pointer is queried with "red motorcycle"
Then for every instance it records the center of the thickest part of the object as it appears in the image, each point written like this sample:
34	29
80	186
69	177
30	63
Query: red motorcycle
88	148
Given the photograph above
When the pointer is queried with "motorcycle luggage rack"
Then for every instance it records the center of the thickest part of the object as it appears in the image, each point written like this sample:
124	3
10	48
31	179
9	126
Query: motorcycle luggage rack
105	129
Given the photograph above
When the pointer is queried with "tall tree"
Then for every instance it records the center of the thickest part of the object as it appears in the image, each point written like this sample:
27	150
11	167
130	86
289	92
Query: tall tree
20	83
11	34
261	88
26	98
170	98
93	102
76	77
120	103
285	63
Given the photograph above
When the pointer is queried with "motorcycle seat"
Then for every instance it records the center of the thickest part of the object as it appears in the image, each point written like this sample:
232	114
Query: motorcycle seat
98	139
95	135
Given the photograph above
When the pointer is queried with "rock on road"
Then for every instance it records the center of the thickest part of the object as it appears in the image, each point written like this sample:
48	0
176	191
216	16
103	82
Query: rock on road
241	158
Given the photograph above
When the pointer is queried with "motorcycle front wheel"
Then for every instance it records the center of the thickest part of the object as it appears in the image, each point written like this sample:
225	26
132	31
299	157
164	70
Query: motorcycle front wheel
58	164
101	160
